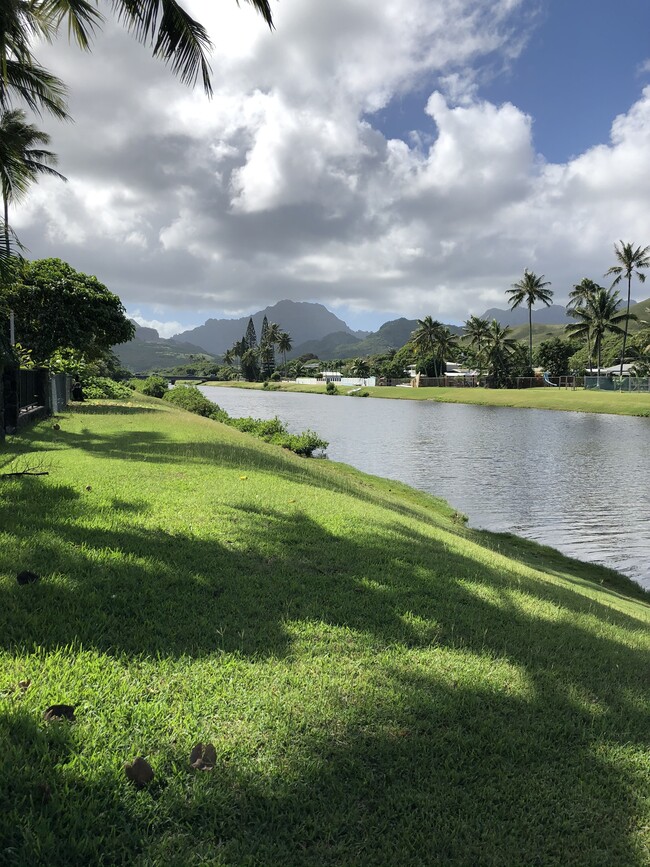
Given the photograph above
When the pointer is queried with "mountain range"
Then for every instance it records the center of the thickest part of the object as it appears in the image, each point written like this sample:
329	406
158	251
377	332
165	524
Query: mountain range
317	331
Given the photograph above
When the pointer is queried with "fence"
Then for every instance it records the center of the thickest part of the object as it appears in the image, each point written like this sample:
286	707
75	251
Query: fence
616	383
26	395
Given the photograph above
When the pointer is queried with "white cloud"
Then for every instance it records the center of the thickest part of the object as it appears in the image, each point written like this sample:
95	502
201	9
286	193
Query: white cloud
284	185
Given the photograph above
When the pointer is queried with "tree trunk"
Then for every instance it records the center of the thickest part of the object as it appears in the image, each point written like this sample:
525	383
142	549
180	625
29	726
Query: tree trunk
629	289
530	335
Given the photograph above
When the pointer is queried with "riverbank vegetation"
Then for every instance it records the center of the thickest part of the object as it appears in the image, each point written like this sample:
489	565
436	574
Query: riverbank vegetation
381	684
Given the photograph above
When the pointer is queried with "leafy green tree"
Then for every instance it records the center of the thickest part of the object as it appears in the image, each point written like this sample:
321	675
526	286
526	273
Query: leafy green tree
553	355
529	290
599	316
630	262
250	365
426	336
58	307
155	386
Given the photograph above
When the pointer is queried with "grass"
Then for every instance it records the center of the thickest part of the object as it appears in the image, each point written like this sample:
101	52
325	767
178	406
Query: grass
580	400
383	685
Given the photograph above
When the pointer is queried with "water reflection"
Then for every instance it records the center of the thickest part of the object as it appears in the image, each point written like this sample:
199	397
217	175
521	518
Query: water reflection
574	481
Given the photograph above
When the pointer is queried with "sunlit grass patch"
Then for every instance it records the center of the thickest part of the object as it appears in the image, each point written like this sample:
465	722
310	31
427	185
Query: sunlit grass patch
381	684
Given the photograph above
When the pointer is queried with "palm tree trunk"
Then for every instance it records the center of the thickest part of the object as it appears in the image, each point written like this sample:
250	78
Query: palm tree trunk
530	335
5	202
629	290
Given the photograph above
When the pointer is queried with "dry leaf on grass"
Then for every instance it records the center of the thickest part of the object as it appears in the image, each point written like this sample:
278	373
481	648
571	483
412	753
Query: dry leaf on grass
203	757
59	711
139	771
27	577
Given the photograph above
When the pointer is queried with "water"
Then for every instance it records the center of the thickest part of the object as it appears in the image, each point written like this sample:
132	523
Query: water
575	481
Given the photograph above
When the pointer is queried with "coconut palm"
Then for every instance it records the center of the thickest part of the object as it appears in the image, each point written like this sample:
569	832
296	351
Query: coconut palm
23	23
529	290
600	315
360	368
630	260
173	34
284	345
499	346
426	336
21	161
476	331
581	293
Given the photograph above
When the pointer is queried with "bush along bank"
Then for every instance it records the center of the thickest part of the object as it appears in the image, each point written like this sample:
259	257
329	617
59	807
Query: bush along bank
188	397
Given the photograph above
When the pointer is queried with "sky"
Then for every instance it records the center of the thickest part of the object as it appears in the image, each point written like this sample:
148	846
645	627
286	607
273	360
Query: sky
407	158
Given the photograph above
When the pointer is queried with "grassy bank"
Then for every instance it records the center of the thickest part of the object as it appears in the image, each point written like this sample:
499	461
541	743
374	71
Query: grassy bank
382	685
611	402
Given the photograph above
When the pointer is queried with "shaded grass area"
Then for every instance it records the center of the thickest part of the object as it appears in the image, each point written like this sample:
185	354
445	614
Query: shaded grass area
382	685
580	400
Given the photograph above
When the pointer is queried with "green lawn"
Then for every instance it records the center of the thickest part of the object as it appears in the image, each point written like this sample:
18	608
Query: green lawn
612	402
383	686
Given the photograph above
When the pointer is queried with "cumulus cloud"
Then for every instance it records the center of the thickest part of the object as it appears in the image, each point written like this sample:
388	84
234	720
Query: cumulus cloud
286	185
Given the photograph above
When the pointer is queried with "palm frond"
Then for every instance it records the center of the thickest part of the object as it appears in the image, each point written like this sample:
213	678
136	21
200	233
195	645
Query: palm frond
83	18
36	86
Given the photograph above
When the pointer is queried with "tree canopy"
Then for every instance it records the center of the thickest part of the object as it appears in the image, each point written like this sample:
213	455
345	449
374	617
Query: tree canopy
57	307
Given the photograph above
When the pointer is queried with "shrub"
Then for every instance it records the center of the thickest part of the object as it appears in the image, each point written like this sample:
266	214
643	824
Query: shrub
188	397
259	427
304	444
103	388
330	388
275	376
155	386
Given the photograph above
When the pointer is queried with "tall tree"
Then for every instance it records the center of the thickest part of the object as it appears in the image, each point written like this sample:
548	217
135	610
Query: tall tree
426	336
22	160
581	293
599	315
284	345
21	163
630	262
499	348
529	290
476	331
250	337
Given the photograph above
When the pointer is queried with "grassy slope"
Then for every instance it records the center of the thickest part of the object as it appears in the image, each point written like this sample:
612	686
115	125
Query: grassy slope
383	685
612	402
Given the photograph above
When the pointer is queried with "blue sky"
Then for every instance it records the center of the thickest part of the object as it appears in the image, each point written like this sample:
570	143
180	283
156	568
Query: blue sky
401	159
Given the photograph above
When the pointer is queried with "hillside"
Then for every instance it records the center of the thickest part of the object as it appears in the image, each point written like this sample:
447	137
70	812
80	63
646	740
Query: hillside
391	335
148	351
301	319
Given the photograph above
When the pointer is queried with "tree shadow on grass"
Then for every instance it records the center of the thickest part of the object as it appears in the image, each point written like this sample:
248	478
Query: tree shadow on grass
414	768
425	774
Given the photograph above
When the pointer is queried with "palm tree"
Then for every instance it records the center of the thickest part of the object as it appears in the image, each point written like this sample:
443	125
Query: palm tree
477	331
499	347
22	23
174	36
360	368
581	293
426	336
630	261
284	345
597	317
20	165
529	290
21	162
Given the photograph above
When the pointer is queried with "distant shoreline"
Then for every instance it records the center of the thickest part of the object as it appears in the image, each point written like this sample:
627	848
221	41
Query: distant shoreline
559	399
